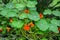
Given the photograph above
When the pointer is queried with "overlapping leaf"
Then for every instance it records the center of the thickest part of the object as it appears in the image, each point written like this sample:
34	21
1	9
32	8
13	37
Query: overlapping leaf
20	6
17	24
47	11
53	28
42	25
56	13
54	3
23	16
34	16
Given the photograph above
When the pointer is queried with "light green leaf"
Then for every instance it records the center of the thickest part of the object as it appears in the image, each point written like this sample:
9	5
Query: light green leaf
54	3
31	4
32	8
10	5
58	22
17	24
34	16
58	5
53	28
47	11
23	16
11	14
55	22
42	24
14	1
56	13
20	6
44	39
4	12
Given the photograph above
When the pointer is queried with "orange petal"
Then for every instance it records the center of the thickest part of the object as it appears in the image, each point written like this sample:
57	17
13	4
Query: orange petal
59	29
31	24
26	11
41	15
26	27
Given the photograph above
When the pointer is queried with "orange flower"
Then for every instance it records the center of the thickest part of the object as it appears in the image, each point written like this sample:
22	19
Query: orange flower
59	29
26	27
8	29
11	20
26	11
41	15
0	29
31	24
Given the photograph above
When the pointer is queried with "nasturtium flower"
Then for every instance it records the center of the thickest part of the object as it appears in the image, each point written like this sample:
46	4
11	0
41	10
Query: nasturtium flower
26	27
41	15
11	20
0	29
31	24
26	11
8	29
59	29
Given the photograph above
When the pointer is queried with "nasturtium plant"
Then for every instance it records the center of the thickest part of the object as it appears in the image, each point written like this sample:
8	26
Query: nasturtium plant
30	19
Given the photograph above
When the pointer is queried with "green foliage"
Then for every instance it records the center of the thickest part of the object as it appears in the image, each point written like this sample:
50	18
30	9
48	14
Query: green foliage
14	16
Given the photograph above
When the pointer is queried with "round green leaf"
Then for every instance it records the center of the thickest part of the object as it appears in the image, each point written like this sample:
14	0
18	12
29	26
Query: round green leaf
34	16
56	13
17	24
47	11
42	24
31	4
20	6
53	28
23	16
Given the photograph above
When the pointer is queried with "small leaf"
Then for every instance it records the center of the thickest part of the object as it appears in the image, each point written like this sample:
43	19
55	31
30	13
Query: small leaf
58	5
4	12
20	6
58	22
44	39
34	16
47	11
54	2
42	24
55	22
53	28
56	13
31	4
11	14
17	24
10	5
23	16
